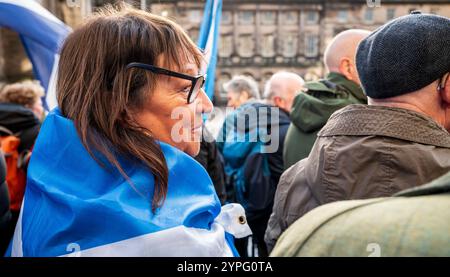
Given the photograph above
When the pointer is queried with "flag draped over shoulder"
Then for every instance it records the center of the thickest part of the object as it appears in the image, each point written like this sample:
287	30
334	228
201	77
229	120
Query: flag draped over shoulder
73	204
208	40
42	35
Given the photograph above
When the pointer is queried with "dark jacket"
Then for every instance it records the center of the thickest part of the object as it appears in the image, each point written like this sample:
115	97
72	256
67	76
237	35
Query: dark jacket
362	152
211	159
252	172
413	223
19	119
312	109
5	214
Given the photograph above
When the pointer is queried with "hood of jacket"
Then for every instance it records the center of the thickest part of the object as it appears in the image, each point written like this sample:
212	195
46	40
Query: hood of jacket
16	117
312	109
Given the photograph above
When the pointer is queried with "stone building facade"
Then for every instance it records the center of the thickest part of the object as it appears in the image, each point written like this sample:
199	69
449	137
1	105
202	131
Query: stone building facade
258	37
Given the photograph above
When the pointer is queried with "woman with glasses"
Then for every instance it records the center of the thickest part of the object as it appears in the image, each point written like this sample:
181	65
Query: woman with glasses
112	172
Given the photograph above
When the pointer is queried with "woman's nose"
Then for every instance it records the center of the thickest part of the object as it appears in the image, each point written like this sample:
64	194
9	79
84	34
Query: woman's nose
206	104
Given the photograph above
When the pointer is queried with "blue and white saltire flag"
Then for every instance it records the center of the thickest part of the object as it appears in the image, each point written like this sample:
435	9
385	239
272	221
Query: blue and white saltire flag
208	39
42	35
75	207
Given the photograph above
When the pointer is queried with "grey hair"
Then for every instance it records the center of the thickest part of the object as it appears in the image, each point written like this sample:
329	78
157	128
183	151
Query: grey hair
241	83
286	76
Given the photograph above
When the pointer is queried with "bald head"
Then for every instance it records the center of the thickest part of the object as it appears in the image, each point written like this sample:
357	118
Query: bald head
341	52
282	88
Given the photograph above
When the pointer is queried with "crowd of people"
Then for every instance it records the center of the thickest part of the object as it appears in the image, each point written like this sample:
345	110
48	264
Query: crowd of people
109	174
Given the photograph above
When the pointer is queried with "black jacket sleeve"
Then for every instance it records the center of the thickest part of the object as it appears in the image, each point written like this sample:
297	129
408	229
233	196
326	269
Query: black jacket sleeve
5	214
210	158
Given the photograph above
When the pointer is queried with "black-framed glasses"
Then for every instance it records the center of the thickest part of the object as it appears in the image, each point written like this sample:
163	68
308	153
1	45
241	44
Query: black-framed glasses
197	81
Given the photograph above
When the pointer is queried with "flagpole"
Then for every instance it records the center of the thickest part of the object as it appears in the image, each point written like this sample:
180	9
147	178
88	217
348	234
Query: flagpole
208	40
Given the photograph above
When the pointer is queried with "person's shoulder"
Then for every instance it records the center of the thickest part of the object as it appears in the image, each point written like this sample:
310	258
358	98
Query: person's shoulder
289	177
321	85
346	228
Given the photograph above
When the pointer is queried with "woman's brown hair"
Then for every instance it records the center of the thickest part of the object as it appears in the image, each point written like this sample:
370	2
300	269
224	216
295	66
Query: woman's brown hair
100	95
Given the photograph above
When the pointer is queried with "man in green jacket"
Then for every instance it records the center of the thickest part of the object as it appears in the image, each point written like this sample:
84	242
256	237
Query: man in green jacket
412	223
340	88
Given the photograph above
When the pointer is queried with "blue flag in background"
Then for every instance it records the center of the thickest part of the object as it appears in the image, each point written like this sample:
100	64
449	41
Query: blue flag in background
42	35
208	39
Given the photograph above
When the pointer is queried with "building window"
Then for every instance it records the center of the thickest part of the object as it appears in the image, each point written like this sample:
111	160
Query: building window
225	46
290	18
368	15
246	45
342	16
195	16
268	18
290	45
311	17
246	18
390	13
311	45
226	18
268	45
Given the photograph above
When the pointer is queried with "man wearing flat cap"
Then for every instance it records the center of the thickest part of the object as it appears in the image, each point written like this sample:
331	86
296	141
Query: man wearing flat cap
399	141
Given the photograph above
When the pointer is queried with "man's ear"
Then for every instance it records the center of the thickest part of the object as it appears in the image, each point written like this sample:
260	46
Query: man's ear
445	91
244	96
278	101
345	68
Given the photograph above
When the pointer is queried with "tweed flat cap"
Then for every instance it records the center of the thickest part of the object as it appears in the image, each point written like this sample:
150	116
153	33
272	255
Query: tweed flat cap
404	55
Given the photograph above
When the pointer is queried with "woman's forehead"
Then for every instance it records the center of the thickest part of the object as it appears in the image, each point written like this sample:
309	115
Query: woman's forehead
182	65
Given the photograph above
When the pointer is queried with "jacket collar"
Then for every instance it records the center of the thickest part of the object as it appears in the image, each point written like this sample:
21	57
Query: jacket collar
351	86
367	120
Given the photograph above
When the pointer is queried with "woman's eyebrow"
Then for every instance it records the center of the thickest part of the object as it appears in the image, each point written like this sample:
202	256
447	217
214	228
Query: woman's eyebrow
191	70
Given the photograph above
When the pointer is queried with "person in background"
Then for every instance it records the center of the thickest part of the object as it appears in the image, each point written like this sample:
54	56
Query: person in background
252	173
20	114
339	88
399	141
281	89
5	212
27	94
21	111
240	90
